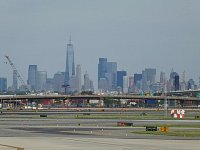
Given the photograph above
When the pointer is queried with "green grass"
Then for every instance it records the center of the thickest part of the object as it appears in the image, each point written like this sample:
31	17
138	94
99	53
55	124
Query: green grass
86	115
180	133
129	117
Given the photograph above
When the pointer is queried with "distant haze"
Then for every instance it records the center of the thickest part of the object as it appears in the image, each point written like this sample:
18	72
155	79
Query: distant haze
137	34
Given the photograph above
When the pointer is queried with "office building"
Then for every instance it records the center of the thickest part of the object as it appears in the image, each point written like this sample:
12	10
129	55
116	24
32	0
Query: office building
120	75
137	78
58	81
176	83
148	78
78	78
41	80
15	83
70	66
86	82
111	75
172	81
32	77
73	84
125	84
3	84
102	71
103	85
191	84
131	84
49	86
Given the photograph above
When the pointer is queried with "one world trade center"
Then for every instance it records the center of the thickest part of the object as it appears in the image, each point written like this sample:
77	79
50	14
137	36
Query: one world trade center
70	67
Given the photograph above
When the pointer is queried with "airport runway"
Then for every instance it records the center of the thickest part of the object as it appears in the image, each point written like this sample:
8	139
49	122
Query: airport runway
61	134
60	143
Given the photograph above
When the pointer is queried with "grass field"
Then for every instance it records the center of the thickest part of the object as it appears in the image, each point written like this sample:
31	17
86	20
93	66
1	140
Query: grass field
88	115
180	133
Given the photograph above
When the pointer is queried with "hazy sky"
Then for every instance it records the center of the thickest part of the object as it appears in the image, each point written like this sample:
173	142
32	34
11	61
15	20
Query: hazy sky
137	34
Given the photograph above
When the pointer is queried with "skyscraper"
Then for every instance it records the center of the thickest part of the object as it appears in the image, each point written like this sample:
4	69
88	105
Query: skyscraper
176	82
137	78
174	76
78	77
163	82
3	84
15	84
148	78
125	84
191	84
41	80
111	75
120	75
32	76
107	75
58	81
102	68
70	67
86	82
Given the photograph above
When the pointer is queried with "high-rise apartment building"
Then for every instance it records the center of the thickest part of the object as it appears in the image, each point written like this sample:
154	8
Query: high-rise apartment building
32	77
70	66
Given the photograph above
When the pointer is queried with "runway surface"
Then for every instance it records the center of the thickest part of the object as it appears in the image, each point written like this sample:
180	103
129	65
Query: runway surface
61	134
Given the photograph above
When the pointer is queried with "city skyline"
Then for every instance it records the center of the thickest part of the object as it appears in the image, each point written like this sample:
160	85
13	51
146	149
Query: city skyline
110	79
156	34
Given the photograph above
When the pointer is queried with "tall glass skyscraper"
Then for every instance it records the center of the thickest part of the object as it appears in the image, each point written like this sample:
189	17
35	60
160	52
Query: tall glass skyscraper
101	70
41	80
3	84
15	83
120	75
70	67
148	78
32	76
78	77
111	74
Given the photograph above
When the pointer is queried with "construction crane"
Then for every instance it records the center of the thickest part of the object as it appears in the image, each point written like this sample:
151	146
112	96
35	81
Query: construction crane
17	72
